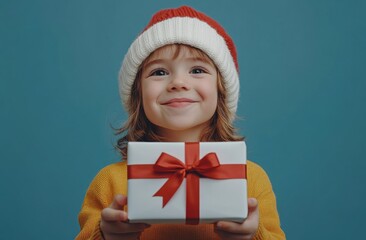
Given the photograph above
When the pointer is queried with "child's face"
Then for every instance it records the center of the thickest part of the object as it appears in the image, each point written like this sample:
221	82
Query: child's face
179	93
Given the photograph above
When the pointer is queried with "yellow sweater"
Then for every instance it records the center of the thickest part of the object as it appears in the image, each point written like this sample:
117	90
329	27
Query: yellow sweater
112	180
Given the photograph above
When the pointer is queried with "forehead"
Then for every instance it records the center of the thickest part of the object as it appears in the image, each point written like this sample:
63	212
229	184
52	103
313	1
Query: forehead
178	50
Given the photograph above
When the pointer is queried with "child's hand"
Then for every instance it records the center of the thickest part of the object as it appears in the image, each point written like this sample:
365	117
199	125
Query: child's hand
243	231
114	223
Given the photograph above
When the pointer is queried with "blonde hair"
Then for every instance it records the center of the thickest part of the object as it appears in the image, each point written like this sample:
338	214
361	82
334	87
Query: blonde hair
139	128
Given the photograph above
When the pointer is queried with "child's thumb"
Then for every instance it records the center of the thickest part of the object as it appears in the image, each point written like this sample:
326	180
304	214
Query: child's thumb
119	202
252	204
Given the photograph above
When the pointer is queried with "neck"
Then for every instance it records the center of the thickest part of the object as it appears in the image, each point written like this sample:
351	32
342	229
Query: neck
186	135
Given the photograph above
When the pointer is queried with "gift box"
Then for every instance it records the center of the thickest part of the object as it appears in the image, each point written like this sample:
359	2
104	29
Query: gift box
177	182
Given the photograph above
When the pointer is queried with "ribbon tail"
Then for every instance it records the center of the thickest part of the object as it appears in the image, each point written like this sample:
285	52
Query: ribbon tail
193	193
169	188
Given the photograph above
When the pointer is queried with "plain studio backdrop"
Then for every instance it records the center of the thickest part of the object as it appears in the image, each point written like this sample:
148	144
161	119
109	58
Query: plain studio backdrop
302	106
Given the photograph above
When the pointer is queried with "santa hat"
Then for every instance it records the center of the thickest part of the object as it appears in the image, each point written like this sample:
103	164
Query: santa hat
184	25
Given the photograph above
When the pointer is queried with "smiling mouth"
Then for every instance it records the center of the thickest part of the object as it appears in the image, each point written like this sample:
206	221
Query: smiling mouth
179	102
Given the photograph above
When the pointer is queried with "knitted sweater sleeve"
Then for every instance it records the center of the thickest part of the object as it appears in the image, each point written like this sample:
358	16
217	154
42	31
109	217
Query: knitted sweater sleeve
260	187
100	195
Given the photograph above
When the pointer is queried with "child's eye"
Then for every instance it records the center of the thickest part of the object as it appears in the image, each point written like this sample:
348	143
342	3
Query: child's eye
198	71
159	72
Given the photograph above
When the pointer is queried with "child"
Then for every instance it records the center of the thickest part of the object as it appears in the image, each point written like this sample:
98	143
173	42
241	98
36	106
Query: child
179	83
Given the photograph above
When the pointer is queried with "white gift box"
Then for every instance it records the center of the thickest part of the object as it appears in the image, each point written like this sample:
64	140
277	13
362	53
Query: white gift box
217	199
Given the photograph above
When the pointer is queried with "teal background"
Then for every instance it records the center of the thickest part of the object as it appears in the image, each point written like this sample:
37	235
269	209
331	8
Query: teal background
302	105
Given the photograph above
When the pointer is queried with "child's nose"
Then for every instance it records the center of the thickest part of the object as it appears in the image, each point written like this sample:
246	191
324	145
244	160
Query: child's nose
179	83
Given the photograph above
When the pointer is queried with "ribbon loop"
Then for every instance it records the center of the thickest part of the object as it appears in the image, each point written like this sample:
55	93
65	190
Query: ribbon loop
168	163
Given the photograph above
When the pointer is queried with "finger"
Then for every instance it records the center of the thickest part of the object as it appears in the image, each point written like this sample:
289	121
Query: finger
252	205
119	202
249	226
253	210
112	215
230	227
122	227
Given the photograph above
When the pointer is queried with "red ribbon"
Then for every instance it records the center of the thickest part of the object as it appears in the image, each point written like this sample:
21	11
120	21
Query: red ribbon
175	170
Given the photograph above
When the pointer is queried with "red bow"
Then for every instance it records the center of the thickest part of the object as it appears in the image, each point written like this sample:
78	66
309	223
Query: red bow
169	164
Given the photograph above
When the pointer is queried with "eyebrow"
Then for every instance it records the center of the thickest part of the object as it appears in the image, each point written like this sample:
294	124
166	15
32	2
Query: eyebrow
156	61
195	59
